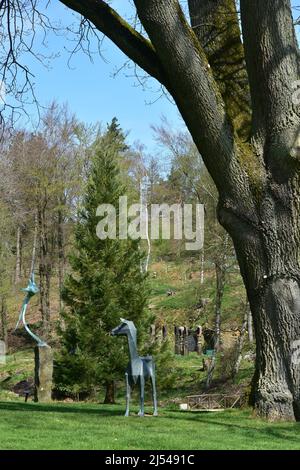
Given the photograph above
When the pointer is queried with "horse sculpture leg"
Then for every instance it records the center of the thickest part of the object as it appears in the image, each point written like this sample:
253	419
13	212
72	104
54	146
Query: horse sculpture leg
142	395
155	413
127	394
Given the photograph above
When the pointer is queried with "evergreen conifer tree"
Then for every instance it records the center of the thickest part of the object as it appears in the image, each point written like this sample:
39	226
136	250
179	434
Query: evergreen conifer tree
106	283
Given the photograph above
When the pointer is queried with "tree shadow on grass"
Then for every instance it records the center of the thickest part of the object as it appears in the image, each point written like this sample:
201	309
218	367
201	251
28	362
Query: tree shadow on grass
286	431
63	408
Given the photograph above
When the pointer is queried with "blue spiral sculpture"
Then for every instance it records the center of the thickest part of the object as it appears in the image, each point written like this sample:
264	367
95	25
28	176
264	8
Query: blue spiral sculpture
30	290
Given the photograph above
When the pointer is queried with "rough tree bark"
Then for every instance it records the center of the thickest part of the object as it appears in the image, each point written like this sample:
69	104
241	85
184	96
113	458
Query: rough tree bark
253	155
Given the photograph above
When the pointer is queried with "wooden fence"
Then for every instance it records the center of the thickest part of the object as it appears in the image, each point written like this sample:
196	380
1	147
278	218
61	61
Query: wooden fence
213	401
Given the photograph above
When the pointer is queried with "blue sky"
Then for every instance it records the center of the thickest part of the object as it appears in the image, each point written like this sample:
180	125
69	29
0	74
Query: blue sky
92	92
90	89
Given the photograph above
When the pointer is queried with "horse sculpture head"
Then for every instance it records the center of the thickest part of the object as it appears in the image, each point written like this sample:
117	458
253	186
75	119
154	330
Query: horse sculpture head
125	327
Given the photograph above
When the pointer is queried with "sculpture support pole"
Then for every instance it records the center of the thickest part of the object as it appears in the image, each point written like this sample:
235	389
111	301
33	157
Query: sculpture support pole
43	356
43	373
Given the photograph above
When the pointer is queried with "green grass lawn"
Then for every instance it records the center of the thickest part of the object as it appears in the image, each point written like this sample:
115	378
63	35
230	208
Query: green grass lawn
91	426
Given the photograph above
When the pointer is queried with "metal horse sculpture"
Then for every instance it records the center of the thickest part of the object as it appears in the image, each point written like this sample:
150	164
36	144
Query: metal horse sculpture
139	368
30	290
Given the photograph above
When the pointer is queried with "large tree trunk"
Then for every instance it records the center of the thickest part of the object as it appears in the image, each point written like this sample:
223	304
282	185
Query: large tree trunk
276	385
268	254
263	216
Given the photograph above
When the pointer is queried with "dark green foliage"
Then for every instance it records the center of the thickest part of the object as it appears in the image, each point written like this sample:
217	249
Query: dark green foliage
106	283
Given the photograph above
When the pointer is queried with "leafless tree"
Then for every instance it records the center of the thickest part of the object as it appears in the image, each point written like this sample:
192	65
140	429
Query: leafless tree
20	23
41	179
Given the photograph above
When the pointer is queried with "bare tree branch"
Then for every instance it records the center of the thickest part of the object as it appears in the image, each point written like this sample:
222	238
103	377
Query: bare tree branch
19	23
131	42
